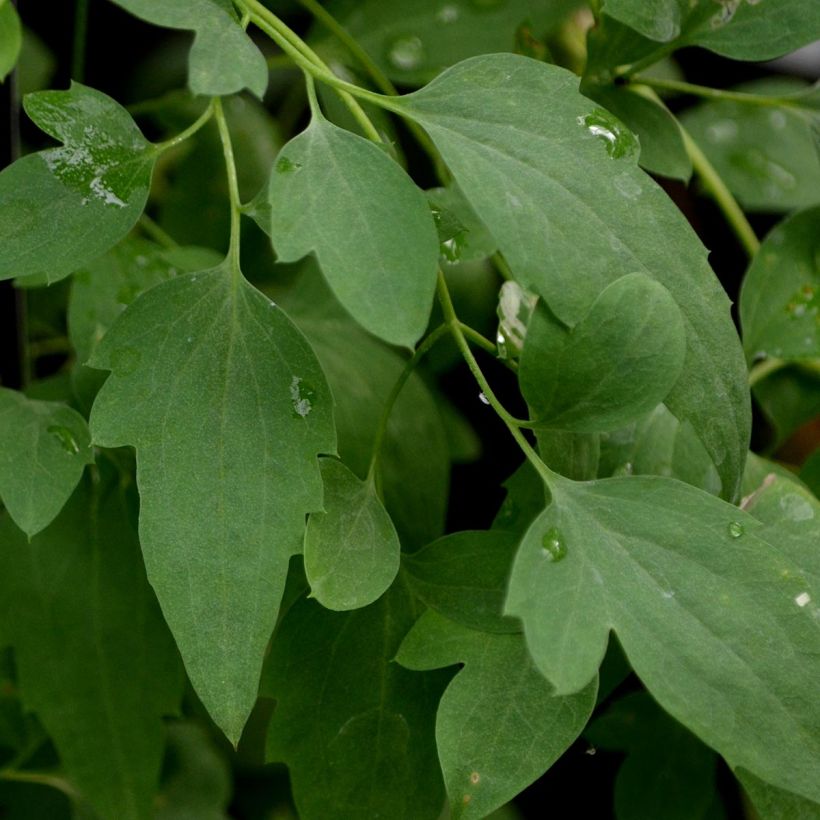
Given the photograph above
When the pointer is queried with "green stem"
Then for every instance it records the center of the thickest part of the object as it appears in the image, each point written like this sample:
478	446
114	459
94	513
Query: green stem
155	232
650	59
189	131
41	778
425	345
233	187
678	86
512	424
48	347
80	36
723	196
762	370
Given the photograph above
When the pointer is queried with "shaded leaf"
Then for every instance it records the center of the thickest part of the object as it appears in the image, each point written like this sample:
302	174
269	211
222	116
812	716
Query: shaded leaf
709	606
95	660
62	207
223	59
772	803
11	38
227	408
351	548
620	360
355	729
789	398
371	228
44	447
780	297
555	180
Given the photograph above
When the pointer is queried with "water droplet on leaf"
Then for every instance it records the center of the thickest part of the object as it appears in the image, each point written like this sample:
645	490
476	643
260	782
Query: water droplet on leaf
803	599
65	437
287	166
619	141
448	13
553	545
406	53
735	529
483	399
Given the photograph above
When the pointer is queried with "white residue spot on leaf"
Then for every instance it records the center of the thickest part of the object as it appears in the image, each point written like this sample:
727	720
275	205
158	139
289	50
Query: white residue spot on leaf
802	599
301	404
105	194
796	508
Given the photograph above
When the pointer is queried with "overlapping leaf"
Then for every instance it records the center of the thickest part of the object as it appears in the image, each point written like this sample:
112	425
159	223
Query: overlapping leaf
715	613
499	725
95	660
371	228
351	547
227	408
44	447
555	180
780	298
223	58
355	729
62	207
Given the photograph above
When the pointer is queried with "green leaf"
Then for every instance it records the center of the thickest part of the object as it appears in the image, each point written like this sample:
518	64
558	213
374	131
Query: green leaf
44	447
789	398
223	59
574	455
771	803
463	577
355	729
780	297
462	236
227	408
662	148
62	207
659	444
667	773
197	783
620	360
413	40
351	548
499	725
765	154
11	38
714	611
558	187
95	660
361	371
371	228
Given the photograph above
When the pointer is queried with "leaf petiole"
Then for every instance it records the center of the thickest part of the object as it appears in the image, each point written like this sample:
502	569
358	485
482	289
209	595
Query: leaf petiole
233	186
203	118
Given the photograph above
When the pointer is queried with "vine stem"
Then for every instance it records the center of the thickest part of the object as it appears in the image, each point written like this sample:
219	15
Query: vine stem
512	424
201	120
681	87
713	183
80	36
424	346
155	232
233	186
41	778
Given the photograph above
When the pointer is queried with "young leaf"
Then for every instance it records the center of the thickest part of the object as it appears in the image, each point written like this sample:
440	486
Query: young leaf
355	729
351	548
765	154
555	180
95	660
44	447
714	612
780	297
223	58
620	360
227	408
499	725
11	38
62	207
371	228
463	577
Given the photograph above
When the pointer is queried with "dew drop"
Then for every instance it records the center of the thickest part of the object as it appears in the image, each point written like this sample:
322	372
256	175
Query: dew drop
284	165
65	437
726	13
618	140
553	545
406	53
483	399
735	529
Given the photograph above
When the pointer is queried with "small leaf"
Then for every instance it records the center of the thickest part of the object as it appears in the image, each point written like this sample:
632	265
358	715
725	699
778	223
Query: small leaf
11	38
620	360
463	577
351	548
371	228
227	408
44	447
355	729
499	725
95	660
765	154
780	298
715	612
62	207
558	187
223	58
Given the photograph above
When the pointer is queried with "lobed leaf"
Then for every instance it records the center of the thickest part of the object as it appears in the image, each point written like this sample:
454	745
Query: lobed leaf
227	408
555	181
44	447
